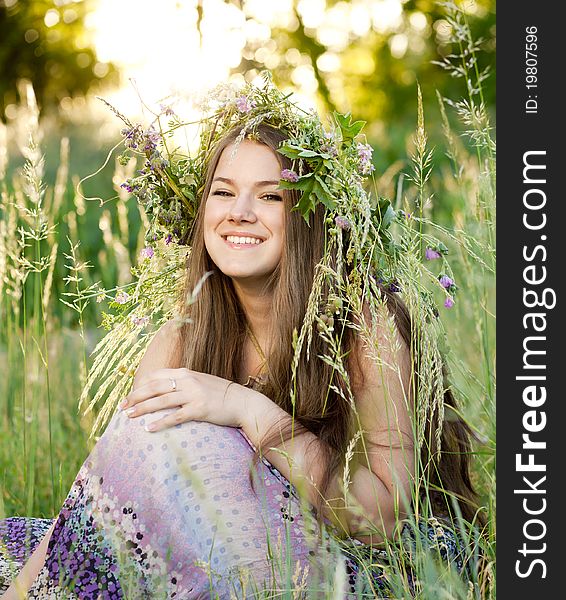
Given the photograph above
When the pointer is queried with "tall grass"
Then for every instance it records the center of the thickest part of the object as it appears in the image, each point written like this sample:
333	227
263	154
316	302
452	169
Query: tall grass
44	365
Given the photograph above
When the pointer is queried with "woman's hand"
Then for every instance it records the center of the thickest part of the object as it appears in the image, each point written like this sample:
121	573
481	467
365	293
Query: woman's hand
198	396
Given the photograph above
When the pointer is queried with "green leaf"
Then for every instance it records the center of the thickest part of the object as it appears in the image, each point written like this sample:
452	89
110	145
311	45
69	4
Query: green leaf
323	194
385	212
306	203
289	151
308	153
349	130
389	216
304	183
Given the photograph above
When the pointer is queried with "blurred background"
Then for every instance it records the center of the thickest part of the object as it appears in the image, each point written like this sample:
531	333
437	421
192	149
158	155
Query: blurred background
56	56
364	56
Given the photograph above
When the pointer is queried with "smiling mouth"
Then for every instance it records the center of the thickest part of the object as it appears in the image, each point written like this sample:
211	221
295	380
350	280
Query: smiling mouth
241	241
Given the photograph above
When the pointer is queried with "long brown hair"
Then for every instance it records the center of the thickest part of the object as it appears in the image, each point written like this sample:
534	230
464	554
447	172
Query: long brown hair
213	341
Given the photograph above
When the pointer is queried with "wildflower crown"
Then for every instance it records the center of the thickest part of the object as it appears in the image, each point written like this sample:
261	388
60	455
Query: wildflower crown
329	167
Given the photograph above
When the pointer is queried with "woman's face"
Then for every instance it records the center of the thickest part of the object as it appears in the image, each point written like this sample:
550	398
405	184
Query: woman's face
244	217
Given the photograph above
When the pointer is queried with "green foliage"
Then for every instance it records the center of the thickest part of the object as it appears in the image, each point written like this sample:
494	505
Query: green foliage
46	42
378	68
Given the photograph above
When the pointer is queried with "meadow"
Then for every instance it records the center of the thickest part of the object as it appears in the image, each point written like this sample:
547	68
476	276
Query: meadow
58	251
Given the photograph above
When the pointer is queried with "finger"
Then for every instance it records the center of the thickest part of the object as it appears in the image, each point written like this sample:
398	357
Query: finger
154	387
172	419
162	374
155	403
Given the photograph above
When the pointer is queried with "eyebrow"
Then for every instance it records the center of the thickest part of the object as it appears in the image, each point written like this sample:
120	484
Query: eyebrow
257	183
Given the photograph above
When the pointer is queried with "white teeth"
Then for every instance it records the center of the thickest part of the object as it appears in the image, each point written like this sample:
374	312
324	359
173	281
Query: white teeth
242	240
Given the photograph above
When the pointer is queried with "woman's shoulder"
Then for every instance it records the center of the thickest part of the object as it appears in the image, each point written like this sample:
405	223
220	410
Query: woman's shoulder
161	352
379	347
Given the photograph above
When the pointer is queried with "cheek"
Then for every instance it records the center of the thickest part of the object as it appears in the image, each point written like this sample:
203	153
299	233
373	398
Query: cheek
280	224
211	216
210	222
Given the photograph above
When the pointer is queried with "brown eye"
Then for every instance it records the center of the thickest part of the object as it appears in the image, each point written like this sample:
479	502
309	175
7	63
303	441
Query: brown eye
273	197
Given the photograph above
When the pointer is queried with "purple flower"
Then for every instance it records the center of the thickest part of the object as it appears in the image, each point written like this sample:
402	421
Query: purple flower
431	254
156	161
446	282
288	175
329	144
244	104
343	223
132	136
167	110
127	187
147	252
152	138
365	152
168	239
448	303
329	148
139	321
394	287
122	297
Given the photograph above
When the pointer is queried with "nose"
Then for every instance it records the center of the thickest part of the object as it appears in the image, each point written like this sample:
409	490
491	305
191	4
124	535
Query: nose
242	208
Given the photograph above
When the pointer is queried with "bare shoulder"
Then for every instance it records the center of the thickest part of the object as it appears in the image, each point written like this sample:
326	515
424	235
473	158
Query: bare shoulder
379	348
160	352
381	369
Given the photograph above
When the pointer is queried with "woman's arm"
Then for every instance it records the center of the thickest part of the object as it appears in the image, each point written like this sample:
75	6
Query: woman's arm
159	353
380	489
382	473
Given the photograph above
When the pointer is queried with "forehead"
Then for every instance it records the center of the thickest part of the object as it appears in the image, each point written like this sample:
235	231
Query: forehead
248	158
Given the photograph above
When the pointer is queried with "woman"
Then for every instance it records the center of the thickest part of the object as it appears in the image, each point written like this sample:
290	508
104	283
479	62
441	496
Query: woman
175	500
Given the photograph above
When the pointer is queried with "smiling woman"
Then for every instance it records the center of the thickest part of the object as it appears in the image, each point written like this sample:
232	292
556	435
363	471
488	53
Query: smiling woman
256	424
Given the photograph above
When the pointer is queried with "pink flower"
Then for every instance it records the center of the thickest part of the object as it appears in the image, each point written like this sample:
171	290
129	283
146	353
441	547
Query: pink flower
448	303
122	297
431	254
288	175
244	104
139	321
365	152
167	110
343	223
147	252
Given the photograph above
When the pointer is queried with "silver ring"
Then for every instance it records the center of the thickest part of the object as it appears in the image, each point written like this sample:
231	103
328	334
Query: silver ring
173	384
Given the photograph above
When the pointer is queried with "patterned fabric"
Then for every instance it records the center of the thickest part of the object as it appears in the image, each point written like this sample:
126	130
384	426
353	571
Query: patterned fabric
172	515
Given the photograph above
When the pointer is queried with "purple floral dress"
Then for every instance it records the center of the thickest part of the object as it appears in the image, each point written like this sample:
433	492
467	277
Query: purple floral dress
172	515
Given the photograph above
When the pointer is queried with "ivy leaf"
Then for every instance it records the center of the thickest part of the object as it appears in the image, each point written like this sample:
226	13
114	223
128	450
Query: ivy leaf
349	130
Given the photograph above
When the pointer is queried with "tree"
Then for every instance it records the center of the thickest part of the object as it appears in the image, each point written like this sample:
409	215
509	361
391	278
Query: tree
367	57
46	41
